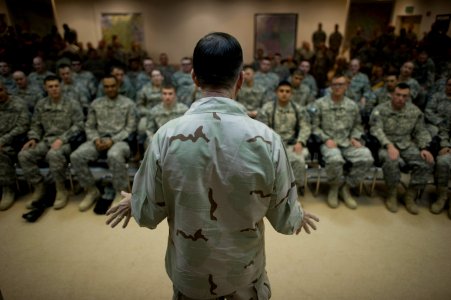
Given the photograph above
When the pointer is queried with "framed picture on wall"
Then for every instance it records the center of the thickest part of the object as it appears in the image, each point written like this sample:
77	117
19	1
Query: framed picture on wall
275	33
127	28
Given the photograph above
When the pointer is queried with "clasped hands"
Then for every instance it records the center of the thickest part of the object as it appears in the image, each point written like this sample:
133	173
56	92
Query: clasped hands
103	144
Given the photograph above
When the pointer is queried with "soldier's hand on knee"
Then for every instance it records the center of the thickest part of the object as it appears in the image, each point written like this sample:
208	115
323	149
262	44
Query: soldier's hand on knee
30	144
427	156
393	152
57	144
356	143
330	143
444	151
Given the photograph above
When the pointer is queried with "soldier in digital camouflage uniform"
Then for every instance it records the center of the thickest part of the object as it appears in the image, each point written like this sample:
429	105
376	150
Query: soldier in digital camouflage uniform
301	94
361	88
168	109
424	71
148	97
111	120
6	77
266	78
405	76
252	95
309	80
84	77
125	87
30	94
39	74
385	93
438	109
337	123
400	129
443	168
184	83
145	76
292	123
215	173
56	120
72	89
14	121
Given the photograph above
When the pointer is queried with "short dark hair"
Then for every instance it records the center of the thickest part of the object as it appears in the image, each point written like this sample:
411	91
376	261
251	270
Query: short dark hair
51	78
109	77
63	65
284	83
403	86
245	67
168	86
217	60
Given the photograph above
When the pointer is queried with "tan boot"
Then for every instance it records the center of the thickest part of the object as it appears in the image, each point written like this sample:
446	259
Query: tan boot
38	193
409	200
345	194
7	198
92	194
442	196
332	197
62	196
392	199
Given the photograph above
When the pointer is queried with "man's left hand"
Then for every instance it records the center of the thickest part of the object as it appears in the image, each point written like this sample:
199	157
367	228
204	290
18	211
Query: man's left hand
355	143
119	212
56	144
307	222
427	156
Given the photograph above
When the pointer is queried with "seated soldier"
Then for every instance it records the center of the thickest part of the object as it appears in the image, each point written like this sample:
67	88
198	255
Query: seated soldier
337	122
14	121
443	168
56	120
111	120
301	94
291	122
400	129
168	108
438	108
252	95
124	85
29	93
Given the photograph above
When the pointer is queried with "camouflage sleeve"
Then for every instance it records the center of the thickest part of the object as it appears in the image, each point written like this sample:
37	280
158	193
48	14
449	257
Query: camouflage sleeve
36	131
151	124
77	123
284	213
21	126
316	124
430	112
130	127
420	133
148	205
377	127
305	129
91	124
443	133
357	128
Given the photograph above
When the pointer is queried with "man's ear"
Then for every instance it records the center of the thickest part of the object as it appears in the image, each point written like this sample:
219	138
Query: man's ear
194	77
239	83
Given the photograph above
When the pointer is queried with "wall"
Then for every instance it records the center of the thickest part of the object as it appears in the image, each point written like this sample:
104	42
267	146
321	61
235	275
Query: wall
174	26
4	10
421	7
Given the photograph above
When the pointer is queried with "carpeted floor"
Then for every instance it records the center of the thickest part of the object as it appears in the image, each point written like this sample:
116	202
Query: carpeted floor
368	253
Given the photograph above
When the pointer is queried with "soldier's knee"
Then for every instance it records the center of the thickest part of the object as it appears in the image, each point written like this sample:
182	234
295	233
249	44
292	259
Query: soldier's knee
53	155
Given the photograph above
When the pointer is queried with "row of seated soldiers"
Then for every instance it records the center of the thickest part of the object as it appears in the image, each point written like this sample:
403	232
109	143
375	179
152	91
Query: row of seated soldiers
252	90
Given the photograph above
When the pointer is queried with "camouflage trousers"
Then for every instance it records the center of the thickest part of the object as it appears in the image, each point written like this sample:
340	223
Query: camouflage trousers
442	169
335	158
297	162
7	170
261	290
420	173
117	157
57	160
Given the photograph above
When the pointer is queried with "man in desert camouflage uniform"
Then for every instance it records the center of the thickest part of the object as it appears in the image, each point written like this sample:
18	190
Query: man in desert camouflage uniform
400	129
168	109
111	120
252	95
14	121
148	97
215	173
337	123
27	92
291	122
56	119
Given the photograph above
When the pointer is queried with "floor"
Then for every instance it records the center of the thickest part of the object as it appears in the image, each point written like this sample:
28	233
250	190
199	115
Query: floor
367	253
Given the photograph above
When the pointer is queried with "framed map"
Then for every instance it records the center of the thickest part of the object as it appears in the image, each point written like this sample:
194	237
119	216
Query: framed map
275	33
128	27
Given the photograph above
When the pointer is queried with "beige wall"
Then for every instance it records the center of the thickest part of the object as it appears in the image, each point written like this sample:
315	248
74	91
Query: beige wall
174	26
421	7
4	10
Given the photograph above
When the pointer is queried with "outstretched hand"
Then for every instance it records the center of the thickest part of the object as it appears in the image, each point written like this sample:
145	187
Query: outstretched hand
119	212
307	223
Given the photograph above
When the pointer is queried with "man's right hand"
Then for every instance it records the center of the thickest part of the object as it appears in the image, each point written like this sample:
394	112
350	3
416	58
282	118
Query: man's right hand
100	144
30	144
330	143
393	152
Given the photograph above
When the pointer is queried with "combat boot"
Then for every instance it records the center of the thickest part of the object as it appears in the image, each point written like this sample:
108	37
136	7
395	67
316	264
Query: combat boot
409	200
345	194
92	194
332	197
392	201
442	196
62	196
7	198
38	193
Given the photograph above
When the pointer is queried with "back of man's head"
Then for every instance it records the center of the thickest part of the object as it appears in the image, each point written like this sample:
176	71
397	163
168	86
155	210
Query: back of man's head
217	60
